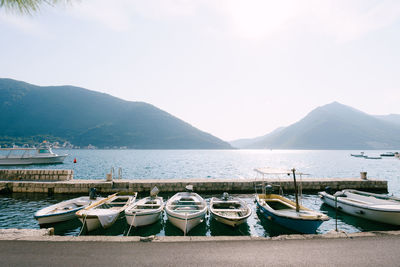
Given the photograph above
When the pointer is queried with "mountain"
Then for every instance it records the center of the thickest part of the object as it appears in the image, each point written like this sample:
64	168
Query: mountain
393	118
333	126
83	117
248	142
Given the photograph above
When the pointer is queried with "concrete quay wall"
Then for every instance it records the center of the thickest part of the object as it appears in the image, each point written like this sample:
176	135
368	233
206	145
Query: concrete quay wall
36	175
176	185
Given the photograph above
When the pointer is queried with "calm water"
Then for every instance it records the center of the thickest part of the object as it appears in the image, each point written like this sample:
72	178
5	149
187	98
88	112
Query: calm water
18	209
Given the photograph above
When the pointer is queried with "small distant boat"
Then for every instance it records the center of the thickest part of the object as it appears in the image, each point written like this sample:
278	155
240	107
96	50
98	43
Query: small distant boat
42	155
64	210
374	207
287	213
186	210
368	157
232	211
105	212
388	154
361	155
145	211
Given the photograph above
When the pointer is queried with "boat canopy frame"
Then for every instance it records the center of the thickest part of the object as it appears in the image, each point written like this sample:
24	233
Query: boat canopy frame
268	171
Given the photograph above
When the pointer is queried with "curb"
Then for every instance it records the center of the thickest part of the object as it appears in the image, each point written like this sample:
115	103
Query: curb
46	235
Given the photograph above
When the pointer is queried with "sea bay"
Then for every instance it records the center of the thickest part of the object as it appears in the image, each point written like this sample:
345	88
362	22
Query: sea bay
17	209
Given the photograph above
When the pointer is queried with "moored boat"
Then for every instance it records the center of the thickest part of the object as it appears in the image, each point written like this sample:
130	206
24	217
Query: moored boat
231	211
361	155
388	154
372	157
145	211
105	212
42	155
282	211
63	211
374	207
285	212
186	210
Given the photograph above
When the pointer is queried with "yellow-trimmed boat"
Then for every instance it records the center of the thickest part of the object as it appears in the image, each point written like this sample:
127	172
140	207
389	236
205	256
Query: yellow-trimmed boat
285	212
282	211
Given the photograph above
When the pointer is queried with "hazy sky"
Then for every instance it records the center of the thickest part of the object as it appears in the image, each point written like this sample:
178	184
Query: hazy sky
231	68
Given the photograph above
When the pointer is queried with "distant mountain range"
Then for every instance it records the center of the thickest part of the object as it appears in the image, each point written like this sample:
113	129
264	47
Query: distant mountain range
83	117
333	126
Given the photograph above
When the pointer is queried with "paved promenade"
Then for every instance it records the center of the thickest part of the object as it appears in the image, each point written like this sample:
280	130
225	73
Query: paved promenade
359	251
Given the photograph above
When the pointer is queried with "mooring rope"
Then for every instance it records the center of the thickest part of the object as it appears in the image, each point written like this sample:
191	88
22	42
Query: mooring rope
133	221
83	225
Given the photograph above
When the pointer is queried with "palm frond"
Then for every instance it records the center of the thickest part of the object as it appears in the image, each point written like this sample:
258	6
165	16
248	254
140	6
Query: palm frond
27	6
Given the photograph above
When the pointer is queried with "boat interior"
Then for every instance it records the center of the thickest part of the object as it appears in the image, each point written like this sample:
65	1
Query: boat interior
186	205
116	203
148	205
366	200
68	207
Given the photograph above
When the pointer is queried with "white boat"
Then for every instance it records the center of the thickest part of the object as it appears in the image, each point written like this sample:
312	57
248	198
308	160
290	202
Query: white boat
23	156
374	207
145	211
186	210
232	211
63	211
105	212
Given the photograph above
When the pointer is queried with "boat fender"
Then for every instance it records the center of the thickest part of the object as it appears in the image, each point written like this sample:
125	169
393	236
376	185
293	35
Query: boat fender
270	218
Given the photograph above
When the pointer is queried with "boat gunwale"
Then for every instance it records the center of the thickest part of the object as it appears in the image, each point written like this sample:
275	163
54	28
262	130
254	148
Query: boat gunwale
309	218
247	209
363	206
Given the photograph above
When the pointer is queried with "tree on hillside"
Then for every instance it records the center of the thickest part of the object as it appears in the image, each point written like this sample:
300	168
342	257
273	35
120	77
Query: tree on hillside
27	6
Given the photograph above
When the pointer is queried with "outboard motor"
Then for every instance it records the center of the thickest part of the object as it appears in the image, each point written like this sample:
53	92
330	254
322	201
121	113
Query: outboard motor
225	196
328	190
92	193
189	188
269	189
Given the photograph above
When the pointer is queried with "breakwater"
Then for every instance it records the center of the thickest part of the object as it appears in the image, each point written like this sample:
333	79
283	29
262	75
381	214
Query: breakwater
68	185
37	175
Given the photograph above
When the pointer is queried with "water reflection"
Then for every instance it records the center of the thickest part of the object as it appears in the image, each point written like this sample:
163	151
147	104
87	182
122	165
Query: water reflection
345	221
220	229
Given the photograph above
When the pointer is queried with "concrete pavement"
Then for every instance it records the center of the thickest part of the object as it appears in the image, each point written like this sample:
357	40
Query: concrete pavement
376	250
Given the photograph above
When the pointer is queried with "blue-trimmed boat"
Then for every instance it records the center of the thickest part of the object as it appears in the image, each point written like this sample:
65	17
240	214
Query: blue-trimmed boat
282	211
63	211
186	210
285	212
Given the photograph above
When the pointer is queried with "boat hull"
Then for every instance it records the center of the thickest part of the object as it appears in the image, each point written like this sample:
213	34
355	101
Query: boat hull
295	224
186	221
32	160
91	223
388	217
58	217
227	221
63	211
141	219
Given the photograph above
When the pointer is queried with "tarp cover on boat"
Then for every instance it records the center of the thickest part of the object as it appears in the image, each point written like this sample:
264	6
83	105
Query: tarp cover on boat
106	216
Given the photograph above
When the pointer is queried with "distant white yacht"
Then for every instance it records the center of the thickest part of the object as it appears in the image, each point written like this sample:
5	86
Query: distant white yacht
23	156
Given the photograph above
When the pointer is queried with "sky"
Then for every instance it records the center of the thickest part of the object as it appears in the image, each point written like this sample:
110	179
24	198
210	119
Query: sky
235	69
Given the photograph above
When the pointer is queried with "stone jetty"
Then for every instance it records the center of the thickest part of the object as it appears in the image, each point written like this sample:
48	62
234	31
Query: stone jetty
62	181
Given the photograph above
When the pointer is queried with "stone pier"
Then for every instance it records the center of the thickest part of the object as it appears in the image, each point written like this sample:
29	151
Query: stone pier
61	181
